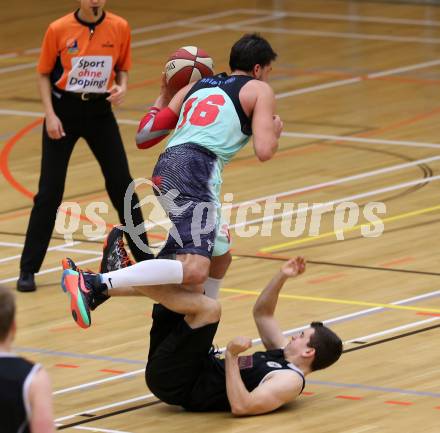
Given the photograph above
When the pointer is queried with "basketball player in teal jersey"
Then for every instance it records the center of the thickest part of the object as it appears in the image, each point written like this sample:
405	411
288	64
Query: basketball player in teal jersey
213	119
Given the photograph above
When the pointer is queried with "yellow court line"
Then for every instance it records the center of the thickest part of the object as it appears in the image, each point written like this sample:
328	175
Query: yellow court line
350	229
337	301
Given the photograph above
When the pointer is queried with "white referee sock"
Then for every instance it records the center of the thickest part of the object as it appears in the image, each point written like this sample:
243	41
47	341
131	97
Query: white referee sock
145	273
212	287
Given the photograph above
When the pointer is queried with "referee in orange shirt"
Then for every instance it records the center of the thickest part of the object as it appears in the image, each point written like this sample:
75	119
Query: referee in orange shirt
82	70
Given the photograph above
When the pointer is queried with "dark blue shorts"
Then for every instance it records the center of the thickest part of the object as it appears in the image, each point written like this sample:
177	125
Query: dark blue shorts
182	178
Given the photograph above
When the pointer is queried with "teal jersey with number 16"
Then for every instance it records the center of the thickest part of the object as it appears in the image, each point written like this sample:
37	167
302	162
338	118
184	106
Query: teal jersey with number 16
212	117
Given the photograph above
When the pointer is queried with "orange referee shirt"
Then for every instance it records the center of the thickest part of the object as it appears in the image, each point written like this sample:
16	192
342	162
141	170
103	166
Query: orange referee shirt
82	57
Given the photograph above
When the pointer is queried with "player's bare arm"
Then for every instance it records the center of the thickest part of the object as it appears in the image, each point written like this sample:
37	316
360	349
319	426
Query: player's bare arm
40	396
264	308
266	126
278	389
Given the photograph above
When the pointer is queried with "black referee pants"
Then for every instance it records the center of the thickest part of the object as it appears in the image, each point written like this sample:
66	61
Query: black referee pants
94	121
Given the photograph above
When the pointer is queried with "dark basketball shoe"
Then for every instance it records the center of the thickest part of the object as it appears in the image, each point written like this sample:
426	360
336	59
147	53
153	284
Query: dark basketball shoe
26	282
114	254
85	290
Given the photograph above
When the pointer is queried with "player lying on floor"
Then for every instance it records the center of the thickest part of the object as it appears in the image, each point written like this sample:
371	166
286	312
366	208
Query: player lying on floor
182	368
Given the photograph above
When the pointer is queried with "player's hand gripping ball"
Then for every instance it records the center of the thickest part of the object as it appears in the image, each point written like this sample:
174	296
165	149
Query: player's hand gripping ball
186	65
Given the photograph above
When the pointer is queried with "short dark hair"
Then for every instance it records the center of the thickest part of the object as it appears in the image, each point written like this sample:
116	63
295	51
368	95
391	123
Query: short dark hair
327	345
7	312
251	50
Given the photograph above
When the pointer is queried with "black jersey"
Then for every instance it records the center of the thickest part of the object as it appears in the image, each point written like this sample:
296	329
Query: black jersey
15	377
209	392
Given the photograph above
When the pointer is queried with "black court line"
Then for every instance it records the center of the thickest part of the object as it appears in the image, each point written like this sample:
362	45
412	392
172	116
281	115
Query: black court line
152	403
396	337
373	268
108	415
342	265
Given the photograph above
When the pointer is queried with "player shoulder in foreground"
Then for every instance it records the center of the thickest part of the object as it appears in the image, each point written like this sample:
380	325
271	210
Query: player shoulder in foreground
33	411
40	398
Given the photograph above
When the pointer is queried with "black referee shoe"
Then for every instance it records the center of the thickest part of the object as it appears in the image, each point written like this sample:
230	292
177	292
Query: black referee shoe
26	282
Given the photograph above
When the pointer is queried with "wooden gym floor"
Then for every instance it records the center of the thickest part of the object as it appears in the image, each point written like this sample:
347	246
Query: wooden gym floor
357	84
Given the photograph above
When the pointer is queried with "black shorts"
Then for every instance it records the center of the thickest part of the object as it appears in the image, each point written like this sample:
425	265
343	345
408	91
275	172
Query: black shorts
177	356
182	176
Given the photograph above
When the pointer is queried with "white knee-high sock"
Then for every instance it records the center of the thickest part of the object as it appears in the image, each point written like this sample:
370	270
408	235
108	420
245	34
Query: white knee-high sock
148	272
212	287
